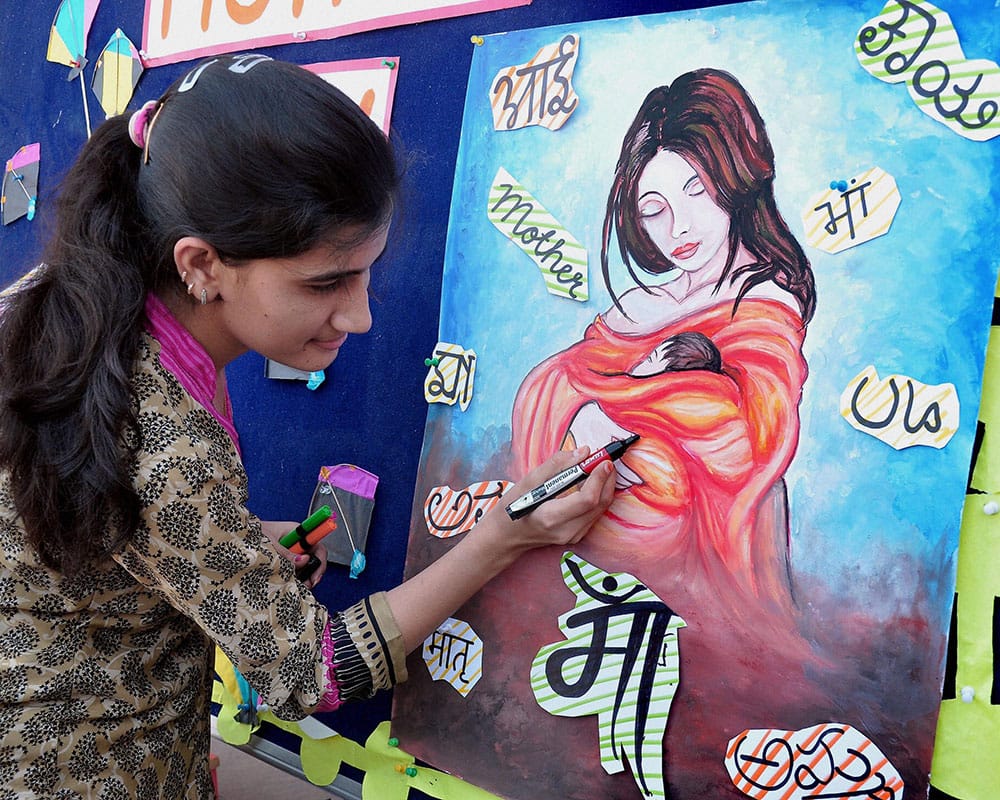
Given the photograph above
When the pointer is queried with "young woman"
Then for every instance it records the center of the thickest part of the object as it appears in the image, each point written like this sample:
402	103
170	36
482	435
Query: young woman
706	365
243	210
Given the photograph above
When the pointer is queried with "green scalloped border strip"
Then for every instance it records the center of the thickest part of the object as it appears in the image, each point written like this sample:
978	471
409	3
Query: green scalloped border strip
384	765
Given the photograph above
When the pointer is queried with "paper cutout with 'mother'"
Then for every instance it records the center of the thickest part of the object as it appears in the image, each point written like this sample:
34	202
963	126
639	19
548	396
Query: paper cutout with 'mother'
451	376
828	760
620	661
899	410
916	42
522	219
539	92
454	654
449	512
852	212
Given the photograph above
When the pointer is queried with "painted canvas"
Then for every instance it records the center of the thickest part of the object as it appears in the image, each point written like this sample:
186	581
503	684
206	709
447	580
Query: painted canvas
762	237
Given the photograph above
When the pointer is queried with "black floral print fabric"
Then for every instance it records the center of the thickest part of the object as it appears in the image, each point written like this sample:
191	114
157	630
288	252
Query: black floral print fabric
105	678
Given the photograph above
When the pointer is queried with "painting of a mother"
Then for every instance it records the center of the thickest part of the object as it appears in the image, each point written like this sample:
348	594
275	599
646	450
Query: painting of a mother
702	356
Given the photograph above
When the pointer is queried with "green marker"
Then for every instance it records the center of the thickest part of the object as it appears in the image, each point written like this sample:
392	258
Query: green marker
310	523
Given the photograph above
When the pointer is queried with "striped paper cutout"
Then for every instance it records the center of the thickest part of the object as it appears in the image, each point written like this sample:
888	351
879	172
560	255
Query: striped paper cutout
901	411
449	512
915	42
454	653
451	379
522	219
835	220
539	92
632	703
828	760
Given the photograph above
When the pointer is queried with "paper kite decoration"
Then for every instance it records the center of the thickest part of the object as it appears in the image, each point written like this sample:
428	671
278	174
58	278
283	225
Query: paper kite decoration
20	184
116	73
68	41
350	493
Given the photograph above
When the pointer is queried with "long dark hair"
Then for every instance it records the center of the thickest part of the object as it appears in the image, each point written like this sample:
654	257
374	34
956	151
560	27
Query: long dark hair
261	161
707	117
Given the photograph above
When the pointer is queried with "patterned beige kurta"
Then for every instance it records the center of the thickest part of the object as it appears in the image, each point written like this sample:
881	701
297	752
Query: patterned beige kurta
105	678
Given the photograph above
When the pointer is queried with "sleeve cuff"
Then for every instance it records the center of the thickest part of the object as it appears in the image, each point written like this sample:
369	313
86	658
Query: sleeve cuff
394	648
368	652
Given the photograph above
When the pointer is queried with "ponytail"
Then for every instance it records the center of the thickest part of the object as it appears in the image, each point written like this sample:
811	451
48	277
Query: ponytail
68	340
260	158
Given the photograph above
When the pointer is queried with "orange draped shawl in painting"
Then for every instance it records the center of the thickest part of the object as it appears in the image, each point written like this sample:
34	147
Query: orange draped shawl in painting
713	447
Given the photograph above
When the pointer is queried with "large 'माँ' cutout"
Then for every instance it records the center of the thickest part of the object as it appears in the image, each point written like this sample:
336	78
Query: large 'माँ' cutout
900	411
620	661
839	218
454	654
449	512
539	92
523	220
828	760
916	42
451	375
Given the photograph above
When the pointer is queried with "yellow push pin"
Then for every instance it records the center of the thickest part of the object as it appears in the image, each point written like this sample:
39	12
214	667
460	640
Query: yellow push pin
477	40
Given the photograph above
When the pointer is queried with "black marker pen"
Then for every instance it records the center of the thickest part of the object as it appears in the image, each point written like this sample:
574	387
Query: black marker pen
569	477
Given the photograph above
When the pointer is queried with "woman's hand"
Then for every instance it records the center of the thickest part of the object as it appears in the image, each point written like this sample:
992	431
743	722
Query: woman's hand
592	428
563	520
422	602
275	530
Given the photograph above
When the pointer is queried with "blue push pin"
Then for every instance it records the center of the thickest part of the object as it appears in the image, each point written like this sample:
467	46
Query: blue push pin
315	380
358	559
842	186
357	563
31	198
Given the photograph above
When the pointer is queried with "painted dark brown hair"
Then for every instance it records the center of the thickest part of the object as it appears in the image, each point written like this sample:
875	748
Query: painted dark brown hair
707	117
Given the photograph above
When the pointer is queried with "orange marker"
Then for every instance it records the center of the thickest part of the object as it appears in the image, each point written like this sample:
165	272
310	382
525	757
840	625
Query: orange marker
323	529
